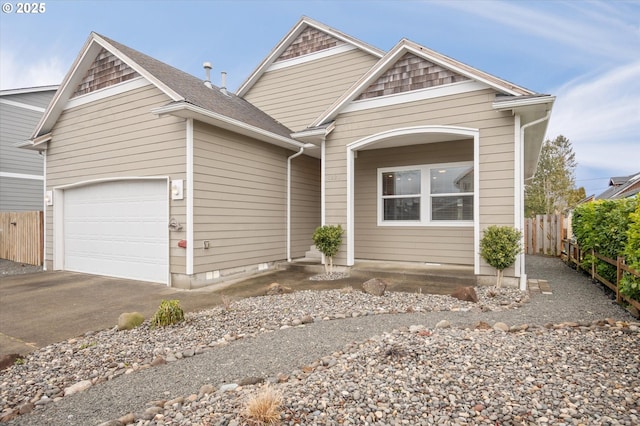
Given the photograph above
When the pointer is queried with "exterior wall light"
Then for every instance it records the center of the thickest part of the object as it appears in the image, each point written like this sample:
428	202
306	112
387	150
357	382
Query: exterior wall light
176	189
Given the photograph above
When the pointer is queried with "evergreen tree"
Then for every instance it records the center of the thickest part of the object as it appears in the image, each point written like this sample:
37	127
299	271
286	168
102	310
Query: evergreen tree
552	188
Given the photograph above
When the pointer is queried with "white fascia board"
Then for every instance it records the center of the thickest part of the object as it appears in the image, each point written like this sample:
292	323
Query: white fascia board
22	105
116	89
36	144
185	110
21	176
71	80
520	103
478	76
310	57
24	90
140	70
415	95
314	136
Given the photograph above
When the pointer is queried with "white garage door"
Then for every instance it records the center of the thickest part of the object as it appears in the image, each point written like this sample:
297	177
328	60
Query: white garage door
118	229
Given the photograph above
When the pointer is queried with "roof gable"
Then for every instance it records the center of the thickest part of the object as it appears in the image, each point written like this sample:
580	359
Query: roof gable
409	67
305	38
104	63
310	40
410	72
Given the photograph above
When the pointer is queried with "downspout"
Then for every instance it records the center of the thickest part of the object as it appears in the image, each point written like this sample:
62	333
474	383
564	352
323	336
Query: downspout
289	201
523	274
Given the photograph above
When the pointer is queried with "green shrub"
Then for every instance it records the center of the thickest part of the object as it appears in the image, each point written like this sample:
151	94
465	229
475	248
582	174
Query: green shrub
610	227
603	226
328	239
499	247
168	313
630	285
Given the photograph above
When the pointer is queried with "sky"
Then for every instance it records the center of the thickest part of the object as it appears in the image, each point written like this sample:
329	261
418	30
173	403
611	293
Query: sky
586	53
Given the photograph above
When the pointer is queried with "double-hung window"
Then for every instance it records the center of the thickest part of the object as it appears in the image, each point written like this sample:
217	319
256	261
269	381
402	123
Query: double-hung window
432	194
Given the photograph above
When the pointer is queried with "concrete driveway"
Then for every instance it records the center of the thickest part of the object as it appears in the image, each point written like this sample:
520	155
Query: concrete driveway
42	308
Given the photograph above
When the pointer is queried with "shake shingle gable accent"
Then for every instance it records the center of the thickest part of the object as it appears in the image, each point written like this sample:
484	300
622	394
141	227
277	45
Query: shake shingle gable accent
410	73
310	41
106	71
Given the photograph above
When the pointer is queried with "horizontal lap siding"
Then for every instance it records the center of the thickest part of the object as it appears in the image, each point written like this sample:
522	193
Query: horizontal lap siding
119	137
473	110
305	203
415	244
298	94
18	195
240	204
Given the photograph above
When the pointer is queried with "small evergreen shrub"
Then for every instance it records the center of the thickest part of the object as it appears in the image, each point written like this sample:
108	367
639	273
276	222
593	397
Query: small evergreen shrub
168	313
328	240
499	247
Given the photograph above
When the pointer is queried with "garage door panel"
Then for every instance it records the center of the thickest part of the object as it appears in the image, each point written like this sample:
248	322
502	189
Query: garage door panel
118	229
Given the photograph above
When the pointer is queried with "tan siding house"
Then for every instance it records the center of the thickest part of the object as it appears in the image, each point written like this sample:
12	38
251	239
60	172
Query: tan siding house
156	175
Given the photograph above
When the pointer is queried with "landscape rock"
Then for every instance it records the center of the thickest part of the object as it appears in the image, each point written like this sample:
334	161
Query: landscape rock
276	288
501	326
443	324
375	287
482	325
7	360
130	320
466	294
78	387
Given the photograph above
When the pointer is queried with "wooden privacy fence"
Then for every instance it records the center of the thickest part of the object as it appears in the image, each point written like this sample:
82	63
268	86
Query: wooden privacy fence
544	233
22	237
574	255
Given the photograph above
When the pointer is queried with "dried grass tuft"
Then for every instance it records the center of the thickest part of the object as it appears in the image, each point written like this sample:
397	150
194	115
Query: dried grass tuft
264	408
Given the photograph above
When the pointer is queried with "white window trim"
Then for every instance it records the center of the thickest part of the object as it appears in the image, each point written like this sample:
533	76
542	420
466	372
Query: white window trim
425	197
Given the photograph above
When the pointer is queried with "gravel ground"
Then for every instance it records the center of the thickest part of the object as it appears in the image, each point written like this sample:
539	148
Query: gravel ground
341	357
8	267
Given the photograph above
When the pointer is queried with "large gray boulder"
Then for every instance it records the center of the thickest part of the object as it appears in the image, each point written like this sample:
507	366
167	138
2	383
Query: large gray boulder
375	286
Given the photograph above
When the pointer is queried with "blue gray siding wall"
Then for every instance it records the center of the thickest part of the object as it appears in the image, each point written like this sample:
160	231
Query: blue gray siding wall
21	170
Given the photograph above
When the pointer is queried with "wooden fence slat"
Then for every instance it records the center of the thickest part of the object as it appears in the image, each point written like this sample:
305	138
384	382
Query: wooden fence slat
544	234
21	237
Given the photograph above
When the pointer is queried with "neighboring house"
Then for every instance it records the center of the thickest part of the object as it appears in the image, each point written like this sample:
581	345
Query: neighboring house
621	187
157	175
21	172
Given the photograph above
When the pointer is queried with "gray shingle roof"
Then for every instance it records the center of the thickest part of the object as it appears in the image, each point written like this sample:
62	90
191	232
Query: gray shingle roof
618	185
193	90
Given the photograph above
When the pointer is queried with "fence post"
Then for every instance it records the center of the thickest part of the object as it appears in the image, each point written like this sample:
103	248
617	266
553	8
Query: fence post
618	278
593	264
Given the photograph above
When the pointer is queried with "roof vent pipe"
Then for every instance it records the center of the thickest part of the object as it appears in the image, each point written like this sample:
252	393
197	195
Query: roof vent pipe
207	69
223	85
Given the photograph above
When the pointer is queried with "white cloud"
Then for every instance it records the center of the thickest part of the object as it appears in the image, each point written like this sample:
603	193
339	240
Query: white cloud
600	114
576	25
18	72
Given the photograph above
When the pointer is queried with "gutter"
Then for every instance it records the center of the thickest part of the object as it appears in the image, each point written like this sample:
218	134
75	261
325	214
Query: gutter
523	274
186	110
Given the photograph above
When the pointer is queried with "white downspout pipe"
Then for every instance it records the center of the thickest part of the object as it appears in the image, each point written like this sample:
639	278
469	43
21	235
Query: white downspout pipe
289	201
523	274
